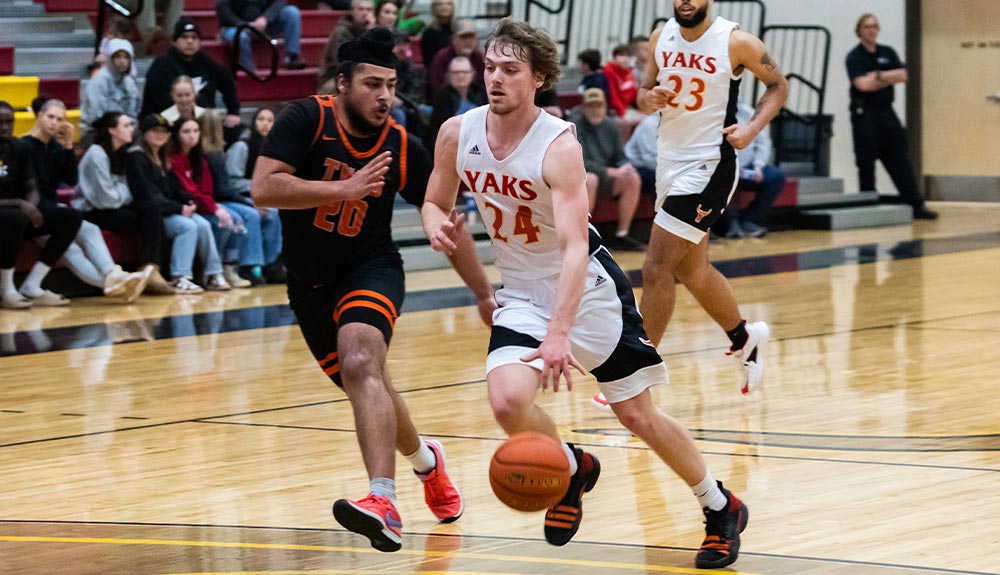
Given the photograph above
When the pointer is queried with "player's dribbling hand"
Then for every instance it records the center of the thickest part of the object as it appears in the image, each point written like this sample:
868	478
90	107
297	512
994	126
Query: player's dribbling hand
659	97
367	181
557	359
445	239
739	136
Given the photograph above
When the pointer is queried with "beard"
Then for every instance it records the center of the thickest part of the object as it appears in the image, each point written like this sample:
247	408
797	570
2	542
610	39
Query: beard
359	122
697	18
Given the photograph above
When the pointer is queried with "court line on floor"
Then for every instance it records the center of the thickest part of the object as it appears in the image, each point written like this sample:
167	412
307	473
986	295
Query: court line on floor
482	538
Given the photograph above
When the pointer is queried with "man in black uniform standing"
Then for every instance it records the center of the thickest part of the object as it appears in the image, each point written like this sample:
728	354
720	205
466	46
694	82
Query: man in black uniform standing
333	165
878	134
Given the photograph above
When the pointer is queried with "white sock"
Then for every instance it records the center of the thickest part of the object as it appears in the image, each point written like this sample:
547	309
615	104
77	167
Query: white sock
7	281
383	486
32	285
423	459
621	233
571	456
708	493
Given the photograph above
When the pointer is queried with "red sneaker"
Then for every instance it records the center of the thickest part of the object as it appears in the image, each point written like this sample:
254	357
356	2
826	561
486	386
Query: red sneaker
440	493
375	517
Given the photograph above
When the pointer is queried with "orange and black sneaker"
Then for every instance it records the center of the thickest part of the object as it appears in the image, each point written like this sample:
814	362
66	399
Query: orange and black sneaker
722	533
440	493
562	520
375	517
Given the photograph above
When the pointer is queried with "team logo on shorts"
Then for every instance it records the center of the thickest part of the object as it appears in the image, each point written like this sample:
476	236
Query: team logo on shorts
701	214
645	341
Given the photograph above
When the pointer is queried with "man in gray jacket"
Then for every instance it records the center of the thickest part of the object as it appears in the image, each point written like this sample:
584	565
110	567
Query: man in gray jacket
608	171
112	89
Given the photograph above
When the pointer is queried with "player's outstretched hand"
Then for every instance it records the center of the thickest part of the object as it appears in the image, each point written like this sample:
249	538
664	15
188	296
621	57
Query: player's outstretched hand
659	97
739	136
445	239
557	358
367	181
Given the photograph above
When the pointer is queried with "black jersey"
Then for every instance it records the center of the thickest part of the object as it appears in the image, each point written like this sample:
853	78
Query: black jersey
860	62
321	245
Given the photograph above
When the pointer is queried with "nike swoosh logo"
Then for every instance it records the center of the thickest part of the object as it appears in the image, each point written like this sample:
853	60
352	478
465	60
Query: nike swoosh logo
328	138
646	342
392	522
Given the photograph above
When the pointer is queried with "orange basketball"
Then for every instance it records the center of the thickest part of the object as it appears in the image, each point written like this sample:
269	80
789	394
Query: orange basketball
529	472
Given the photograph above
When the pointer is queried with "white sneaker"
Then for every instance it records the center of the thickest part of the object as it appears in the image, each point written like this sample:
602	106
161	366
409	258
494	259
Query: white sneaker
751	357
600	402
217	282
232	275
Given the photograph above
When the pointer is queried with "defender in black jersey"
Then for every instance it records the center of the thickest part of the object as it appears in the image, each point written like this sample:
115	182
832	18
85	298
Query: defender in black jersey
333	164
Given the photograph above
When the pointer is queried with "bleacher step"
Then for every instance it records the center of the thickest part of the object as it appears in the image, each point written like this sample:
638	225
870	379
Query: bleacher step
855	217
52	61
74	39
11	10
423	257
13	27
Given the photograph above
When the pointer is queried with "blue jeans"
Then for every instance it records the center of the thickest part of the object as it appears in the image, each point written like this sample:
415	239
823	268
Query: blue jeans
767	190
288	24
231	240
263	237
191	236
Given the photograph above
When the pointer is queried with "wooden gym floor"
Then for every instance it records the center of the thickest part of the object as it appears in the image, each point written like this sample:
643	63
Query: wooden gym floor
197	435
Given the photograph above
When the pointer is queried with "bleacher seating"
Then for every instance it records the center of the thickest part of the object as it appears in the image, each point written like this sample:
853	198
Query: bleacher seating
6	60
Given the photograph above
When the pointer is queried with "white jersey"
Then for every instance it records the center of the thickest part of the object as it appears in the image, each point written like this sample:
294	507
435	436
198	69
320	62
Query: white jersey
707	93
512	197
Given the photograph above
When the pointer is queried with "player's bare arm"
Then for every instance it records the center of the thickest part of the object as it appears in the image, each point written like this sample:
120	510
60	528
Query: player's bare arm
563	171
446	228
746	51
275	185
653	96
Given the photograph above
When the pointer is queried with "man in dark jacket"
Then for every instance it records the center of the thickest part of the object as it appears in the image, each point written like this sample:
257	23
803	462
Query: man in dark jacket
186	59
271	16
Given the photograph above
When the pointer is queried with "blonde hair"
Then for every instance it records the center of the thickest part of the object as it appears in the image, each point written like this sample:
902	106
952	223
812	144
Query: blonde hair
212	139
861	22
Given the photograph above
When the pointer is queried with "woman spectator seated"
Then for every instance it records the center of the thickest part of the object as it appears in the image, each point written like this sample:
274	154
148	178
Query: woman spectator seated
54	162
148	168
437	35
188	164
241	159
263	228
183	94
460	94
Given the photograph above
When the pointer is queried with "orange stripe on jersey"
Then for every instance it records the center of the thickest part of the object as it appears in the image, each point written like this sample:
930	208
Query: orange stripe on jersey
370	152
364	303
335	368
372	294
325	101
402	155
328	359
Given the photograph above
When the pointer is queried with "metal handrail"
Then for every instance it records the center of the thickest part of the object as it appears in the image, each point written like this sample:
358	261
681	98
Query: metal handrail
99	25
563	5
271	42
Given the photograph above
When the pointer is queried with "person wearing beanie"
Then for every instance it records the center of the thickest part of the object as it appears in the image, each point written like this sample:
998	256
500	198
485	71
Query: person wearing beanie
112	89
185	58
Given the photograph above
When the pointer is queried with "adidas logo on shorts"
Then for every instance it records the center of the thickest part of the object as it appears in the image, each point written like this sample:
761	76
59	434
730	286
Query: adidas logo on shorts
600	280
474	151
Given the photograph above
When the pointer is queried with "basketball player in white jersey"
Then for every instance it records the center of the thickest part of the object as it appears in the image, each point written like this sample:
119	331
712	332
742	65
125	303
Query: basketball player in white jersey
565	303
693	78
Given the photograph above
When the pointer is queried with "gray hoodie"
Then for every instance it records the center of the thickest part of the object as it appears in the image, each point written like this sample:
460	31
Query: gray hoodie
98	188
109	90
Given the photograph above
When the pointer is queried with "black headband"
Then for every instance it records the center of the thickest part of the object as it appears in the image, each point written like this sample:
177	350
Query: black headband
373	47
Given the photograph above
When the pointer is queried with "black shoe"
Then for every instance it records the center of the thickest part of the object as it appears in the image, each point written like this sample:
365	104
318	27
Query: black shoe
722	533
293	62
922	213
562	520
246	272
626	244
275	273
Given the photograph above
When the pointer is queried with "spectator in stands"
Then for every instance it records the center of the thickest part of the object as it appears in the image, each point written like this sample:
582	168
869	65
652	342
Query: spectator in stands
437	35
640	46
118	27
188	164
622	87
54	162
640	150
23	215
608	171
350	27
548	100
272	17
262	244
148	168
757	174
112	89
104	196
241	159
457	97
186	59
387	14
409	100
874	69
464	42
146	21
593	75
183	95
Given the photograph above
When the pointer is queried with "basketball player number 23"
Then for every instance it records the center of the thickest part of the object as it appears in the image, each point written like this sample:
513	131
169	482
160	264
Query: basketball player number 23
675	83
522	224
